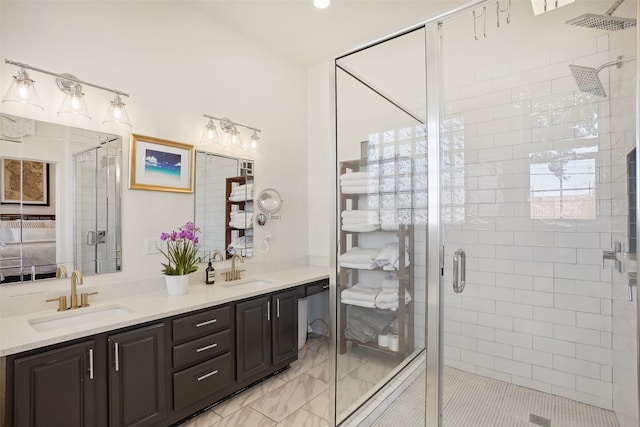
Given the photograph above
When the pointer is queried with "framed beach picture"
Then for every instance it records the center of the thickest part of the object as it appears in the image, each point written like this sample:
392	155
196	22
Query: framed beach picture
160	165
24	181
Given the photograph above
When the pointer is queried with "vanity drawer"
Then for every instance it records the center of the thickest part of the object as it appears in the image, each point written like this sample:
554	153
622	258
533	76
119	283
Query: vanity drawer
199	324
317	287
200	381
201	349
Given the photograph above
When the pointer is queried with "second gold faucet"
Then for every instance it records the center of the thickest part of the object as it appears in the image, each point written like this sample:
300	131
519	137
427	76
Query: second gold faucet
234	274
76	279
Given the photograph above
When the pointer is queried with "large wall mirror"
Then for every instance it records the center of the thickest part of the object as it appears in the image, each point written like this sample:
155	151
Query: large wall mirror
59	201
224	205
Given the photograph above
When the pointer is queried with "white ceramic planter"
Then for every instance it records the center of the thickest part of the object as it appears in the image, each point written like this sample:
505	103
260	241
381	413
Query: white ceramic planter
177	285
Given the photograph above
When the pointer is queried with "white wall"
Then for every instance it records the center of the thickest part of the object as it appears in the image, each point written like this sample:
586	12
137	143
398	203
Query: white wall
177	63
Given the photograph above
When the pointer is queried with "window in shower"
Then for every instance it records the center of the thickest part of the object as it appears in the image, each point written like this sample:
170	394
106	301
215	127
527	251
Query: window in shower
563	185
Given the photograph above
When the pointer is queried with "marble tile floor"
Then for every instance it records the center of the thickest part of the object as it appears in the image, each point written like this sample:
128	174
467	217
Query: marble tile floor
299	396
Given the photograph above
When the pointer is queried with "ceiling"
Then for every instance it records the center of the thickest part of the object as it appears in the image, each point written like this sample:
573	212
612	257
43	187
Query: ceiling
305	35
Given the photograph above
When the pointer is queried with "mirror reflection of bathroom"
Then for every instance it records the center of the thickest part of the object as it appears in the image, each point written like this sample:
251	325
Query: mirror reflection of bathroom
224	204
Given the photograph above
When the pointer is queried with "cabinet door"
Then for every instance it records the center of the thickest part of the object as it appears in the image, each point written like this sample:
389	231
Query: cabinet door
253	337
56	388
137	377
285	326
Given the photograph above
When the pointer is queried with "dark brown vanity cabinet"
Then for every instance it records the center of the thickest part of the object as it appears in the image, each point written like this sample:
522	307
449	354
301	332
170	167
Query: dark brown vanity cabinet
153	374
203	362
253	337
55	388
284	330
137	367
266	334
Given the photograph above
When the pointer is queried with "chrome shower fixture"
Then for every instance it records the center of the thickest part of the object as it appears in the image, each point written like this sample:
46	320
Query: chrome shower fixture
587	78
604	22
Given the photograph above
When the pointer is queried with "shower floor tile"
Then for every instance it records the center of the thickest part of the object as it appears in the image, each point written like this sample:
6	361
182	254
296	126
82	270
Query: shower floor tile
472	400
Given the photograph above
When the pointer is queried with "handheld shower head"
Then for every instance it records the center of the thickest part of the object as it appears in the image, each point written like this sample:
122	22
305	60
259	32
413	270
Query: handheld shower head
587	78
604	22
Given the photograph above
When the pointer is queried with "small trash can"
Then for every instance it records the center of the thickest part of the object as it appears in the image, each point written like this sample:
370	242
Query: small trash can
303	308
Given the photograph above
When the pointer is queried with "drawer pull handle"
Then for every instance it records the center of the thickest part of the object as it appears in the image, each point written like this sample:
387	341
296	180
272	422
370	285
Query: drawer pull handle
207	347
90	363
208	322
116	350
207	375
325	286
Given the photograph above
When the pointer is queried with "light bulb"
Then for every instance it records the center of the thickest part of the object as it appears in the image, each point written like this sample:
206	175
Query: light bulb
23	91
117	113
76	104
321	4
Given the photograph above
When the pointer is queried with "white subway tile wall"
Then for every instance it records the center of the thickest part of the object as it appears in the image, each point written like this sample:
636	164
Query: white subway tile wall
539	309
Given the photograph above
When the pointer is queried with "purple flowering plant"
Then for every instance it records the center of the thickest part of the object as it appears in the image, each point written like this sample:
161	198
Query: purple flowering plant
182	250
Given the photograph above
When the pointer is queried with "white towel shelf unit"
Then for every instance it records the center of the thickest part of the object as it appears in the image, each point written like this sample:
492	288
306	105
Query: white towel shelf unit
231	233
348	277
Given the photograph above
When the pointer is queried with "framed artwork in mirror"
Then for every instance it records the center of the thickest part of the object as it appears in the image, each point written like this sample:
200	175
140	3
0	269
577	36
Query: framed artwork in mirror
24	181
160	165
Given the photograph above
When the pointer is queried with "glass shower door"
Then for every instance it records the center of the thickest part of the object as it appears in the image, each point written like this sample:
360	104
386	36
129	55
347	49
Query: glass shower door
538	222
381	218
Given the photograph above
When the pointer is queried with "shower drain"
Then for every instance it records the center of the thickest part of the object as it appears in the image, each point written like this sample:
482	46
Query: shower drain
540	421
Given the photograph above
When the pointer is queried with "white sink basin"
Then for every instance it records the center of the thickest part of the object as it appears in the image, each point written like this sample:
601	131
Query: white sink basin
251	284
73	317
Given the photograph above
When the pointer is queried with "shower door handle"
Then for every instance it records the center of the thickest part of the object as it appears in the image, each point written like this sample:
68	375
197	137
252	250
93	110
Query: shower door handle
459	271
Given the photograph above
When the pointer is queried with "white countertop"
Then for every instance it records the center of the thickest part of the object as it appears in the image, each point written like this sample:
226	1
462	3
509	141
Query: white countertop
17	334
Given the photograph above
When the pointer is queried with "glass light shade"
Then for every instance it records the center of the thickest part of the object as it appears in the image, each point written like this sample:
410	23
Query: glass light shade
254	143
321	4
74	102
210	134
117	113
23	91
235	140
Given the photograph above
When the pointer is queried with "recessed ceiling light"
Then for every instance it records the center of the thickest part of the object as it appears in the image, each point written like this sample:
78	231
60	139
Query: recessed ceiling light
321	4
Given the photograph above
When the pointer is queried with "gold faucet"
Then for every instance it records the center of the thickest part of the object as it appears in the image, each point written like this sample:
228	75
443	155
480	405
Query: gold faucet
61	272
217	254
234	274
76	279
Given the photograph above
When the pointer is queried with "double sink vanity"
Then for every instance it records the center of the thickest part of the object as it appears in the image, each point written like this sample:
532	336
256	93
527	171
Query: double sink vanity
149	358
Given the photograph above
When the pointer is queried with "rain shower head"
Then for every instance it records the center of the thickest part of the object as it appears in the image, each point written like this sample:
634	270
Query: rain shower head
604	22
587	78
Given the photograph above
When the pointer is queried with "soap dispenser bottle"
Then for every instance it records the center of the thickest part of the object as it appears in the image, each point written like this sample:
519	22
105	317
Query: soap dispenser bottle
210	274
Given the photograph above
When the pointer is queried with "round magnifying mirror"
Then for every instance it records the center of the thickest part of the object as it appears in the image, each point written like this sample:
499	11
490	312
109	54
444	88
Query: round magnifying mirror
269	201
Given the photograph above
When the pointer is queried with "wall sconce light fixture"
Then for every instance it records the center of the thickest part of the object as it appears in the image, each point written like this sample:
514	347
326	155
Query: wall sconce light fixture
22	90
232	139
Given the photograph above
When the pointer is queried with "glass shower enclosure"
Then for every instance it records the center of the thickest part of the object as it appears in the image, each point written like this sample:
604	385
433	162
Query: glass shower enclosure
486	170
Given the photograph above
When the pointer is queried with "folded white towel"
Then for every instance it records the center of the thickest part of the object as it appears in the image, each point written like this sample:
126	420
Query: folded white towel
371	220
389	257
354	176
360	228
389	227
367	304
359	255
359	265
360	214
240	225
361	189
360	293
360	183
389	300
